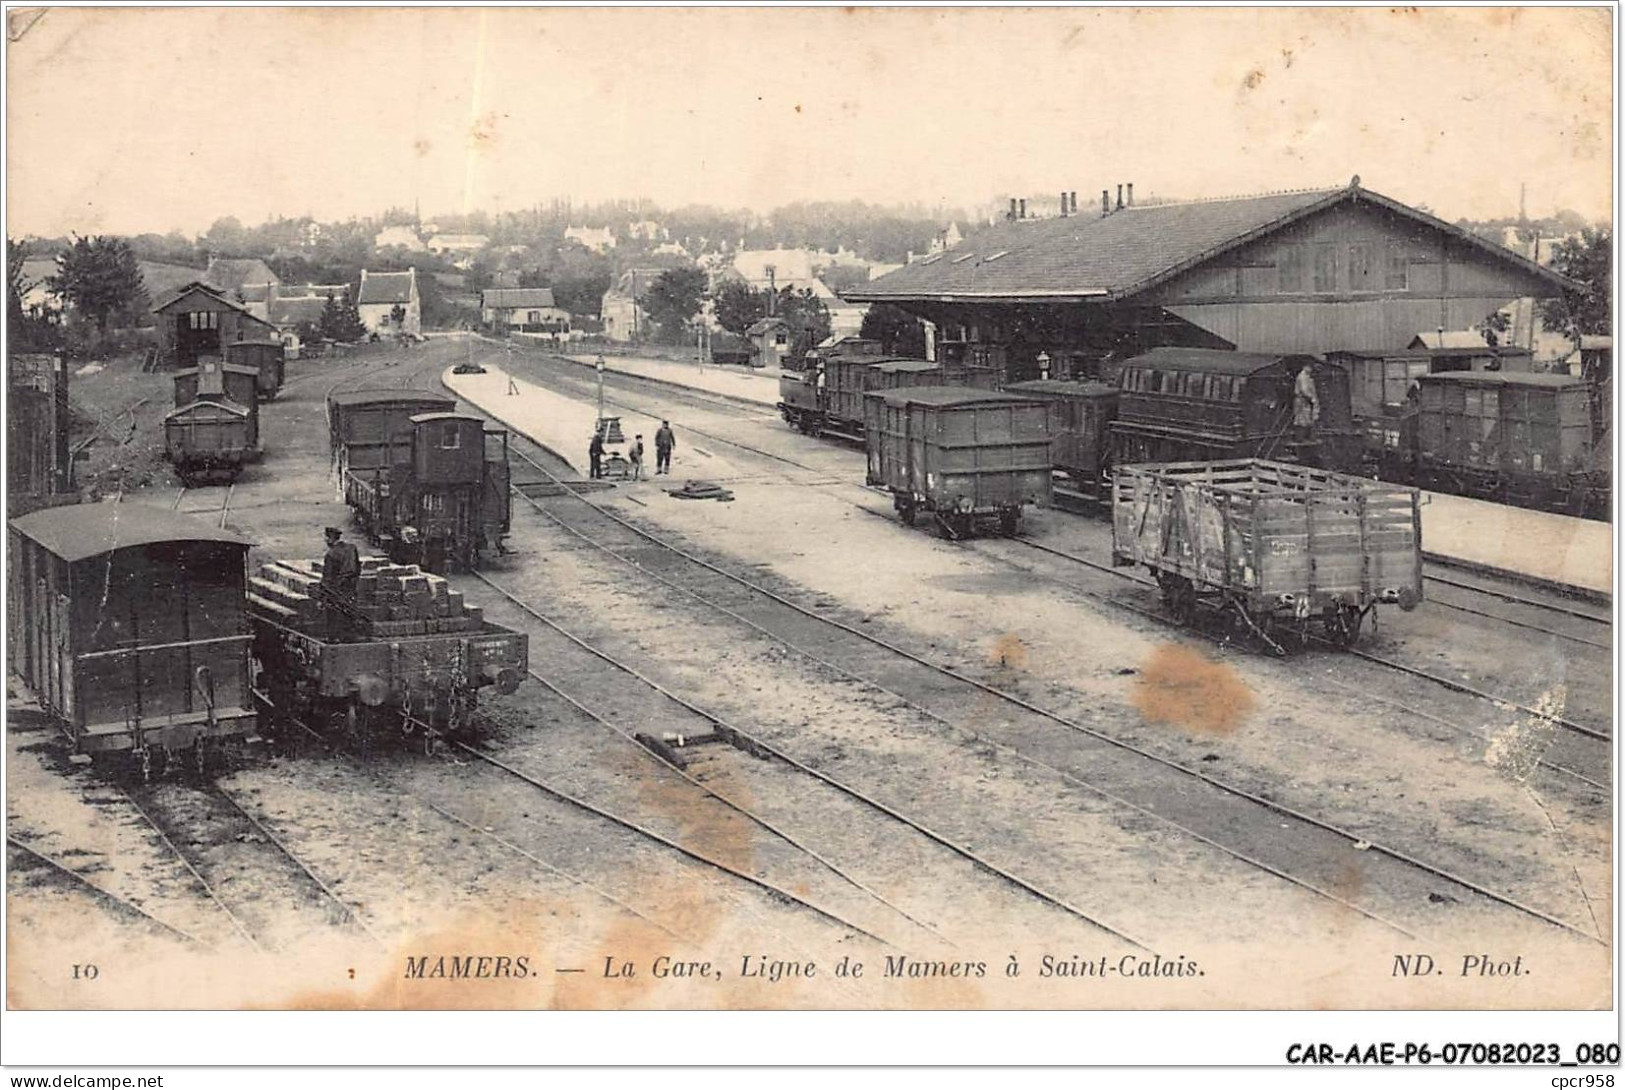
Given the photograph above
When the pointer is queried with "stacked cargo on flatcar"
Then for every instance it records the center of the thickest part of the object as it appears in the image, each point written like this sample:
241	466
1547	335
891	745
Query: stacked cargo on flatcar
214	429
127	623
406	655
1080	418
266	358
1184	404
1520	438
1270	544
961	454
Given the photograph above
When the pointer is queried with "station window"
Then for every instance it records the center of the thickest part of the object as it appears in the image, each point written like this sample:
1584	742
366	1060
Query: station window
450	439
1399	269
1289	269
1362	267
1325	268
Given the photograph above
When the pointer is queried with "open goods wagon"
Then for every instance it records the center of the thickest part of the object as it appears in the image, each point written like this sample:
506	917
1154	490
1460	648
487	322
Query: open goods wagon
964	455
1269	544
127	623
214	429
407	656
437	493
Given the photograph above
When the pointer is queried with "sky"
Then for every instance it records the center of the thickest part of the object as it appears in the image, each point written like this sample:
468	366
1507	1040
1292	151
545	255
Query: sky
129	120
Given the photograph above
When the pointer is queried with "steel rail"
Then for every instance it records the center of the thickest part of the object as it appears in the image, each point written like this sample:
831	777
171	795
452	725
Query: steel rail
660	838
98	891
992	690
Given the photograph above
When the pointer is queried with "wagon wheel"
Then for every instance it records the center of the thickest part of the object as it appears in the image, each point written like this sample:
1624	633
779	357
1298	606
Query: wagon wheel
907	510
1342	624
1010	521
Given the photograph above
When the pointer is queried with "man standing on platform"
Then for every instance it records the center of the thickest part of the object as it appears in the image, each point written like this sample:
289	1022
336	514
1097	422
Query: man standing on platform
664	442
595	455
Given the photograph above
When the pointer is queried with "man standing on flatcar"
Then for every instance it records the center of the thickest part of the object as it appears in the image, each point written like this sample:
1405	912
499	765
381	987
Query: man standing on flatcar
664	442
1305	402
341	575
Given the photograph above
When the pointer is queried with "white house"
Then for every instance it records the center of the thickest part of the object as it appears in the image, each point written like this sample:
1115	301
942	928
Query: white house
381	293
402	237
458	244
601	239
525	310
624	318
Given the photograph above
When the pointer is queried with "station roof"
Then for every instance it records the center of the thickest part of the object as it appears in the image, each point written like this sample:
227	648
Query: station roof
1104	258
947	396
80	531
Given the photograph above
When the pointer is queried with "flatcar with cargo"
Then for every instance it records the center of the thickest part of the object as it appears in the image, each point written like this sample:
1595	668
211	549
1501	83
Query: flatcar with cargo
405	658
1271	546
1189	404
965	456
127	623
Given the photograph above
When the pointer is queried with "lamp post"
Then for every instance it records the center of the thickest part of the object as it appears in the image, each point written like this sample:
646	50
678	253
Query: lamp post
598	367
1043	364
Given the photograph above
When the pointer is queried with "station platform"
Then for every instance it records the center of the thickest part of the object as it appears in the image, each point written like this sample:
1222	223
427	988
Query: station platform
1556	551
757	385
565	426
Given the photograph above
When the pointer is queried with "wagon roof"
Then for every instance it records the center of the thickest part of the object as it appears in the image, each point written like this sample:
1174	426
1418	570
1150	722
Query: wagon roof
234	368
80	531
213	402
1212	360
947	396
906	365
1501	378
1087	388
420	418
388	397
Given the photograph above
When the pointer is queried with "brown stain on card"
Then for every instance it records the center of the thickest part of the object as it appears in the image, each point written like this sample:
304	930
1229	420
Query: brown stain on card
1184	688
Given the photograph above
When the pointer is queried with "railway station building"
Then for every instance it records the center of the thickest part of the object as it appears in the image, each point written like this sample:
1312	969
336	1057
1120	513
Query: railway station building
1311	271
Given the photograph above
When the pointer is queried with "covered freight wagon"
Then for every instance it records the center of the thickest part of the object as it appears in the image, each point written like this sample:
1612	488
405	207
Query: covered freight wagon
265	358
1080	417
127	623
1525	439
1270	544
363	424
963	455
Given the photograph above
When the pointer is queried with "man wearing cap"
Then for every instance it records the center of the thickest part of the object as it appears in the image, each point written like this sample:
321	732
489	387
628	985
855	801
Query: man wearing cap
341	574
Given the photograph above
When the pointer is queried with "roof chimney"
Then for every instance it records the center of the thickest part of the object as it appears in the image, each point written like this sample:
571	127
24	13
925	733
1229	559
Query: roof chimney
1012	208
1105	203
1063	203
1119	196
1131	194
1074	201
1024	208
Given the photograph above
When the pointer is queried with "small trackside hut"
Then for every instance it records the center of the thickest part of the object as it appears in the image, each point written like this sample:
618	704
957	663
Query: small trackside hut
964	455
1270	545
127	623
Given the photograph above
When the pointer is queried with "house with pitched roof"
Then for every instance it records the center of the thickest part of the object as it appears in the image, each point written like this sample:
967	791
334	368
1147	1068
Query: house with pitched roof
381	293
524	310
230	273
621	308
1315	271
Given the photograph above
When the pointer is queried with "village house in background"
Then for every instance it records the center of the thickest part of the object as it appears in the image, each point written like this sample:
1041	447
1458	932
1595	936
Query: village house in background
399	237
389	302
598	239
524	310
621	309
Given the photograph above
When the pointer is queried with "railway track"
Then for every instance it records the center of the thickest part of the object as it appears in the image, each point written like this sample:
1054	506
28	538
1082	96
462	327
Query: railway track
751	743
119	905
269	896
1543	715
1303	849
